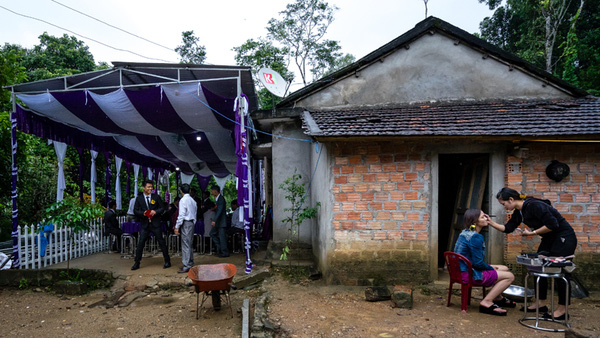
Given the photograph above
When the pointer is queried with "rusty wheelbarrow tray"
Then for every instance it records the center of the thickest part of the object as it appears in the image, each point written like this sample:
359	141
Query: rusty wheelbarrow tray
212	279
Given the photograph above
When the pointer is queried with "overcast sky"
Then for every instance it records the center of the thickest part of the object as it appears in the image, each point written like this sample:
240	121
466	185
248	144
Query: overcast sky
360	26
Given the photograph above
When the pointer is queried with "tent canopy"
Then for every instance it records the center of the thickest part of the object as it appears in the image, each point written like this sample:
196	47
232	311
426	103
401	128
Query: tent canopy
157	115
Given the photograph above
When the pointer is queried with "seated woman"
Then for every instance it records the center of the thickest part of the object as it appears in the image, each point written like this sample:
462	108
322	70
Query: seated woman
471	244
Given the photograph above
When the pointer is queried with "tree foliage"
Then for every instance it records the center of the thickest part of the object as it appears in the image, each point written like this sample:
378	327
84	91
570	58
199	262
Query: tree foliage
301	29
560	36
191	51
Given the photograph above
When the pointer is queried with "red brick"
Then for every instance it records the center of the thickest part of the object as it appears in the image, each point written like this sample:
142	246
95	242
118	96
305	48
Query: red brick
403	166
382	196
577	227
360	188
404	186
589	188
347	188
398	216
422	236
514	178
368	178
397	177
389	186
341	160
340	179
372	159
412	216
595	219
341	216
389	206
374	187
379	235
354	216
360	225
594	238
420	226
361	169
346	225
415	157
341	197
367	196
411	177
590	228
355	159
354	197
404	206
373	225
383	215
561	207
583	198
394	234
594	178
361	206
576	208
406	226
419	205
417	186
390	225
592	208
336	225
409	234
572	188
566	198
413	195
541	187
420	166
389	168
347	169
367	216
396	196
347	206
354	178
569	217
586	168
577	178
376	206
383	177
362	150
582	238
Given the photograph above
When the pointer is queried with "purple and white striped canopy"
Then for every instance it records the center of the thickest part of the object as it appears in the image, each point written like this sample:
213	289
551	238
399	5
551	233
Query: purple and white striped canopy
181	125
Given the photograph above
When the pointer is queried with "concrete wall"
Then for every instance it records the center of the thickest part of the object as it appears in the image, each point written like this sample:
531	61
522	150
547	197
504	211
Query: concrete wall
433	68
289	156
322	186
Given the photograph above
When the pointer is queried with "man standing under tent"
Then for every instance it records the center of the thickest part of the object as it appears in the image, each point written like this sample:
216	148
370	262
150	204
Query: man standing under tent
111	225
186	222
148	207
218	232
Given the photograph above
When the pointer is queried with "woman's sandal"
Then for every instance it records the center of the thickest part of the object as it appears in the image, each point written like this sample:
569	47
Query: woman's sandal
505	302
490	310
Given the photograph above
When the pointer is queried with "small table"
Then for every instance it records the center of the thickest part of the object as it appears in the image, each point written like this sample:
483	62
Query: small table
552	277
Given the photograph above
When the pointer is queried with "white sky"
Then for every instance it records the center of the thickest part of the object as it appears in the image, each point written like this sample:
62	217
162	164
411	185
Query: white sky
360	26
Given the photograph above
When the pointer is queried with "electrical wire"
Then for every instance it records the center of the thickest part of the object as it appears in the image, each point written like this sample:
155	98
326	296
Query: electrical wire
82	36
115	27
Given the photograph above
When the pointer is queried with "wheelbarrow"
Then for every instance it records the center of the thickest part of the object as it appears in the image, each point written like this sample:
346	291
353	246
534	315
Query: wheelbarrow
212	280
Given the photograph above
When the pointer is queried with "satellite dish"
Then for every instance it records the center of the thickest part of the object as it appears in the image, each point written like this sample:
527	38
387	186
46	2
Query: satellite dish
273	81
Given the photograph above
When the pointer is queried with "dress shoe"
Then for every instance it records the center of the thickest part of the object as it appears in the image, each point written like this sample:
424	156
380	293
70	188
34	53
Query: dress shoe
135	266
183	270
167	265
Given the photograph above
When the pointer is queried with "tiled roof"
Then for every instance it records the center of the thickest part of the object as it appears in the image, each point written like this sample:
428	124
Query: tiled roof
526	118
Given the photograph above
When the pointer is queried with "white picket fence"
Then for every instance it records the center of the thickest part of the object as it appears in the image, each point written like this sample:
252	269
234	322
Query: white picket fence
84	243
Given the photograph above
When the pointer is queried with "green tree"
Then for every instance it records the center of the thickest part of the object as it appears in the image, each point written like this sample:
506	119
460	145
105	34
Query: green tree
57	56
301	29
560	36
190	51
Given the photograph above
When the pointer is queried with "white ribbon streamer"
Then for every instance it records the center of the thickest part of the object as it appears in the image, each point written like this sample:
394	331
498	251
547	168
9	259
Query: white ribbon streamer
118	163
93	176
61	151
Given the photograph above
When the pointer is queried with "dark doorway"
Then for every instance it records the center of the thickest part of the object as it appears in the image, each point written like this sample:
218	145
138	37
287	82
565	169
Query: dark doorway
463	184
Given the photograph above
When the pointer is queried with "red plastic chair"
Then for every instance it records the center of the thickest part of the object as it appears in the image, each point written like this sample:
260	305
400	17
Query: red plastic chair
453	262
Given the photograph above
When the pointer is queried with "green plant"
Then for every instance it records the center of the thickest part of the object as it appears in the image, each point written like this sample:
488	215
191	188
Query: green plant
296	195
23	283
75	215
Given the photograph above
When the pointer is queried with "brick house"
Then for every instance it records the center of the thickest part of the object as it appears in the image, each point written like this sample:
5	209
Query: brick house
414	133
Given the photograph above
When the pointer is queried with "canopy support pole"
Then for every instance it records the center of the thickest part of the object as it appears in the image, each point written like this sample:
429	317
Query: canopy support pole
15	210
242	171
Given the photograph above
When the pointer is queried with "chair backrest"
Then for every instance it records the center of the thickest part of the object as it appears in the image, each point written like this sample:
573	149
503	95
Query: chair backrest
453	262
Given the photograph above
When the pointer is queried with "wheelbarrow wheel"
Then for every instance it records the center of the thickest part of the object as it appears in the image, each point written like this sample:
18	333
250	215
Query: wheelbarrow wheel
216	300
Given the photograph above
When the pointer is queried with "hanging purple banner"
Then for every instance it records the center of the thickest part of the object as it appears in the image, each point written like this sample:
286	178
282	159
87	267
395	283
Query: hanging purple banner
203	181
244	183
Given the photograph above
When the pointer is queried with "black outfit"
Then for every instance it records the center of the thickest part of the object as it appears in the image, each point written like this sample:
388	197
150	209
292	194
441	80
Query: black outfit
207	204
111	226
559	242
150	225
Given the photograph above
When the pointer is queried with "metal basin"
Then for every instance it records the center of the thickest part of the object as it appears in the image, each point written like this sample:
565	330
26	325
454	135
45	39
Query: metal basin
517	293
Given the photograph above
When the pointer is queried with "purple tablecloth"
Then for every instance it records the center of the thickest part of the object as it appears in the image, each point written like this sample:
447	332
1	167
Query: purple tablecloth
131	227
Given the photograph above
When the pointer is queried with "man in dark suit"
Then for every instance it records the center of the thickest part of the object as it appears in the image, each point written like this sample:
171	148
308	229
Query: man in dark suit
148	208
218	233
111	225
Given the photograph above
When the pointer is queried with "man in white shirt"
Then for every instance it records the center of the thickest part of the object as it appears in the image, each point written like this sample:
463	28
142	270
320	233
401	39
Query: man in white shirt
130	212
185	224
236	224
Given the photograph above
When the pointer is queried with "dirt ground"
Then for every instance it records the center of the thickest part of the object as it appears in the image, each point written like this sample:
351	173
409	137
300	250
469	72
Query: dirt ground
301	309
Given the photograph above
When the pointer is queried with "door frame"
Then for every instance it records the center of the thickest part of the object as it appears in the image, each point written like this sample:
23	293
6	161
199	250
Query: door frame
497	164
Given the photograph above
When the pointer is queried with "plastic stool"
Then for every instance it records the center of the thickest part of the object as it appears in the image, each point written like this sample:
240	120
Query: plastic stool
552	277
132	244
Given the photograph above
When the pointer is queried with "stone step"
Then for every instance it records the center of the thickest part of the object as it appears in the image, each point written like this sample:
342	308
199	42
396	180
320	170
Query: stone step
293	262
